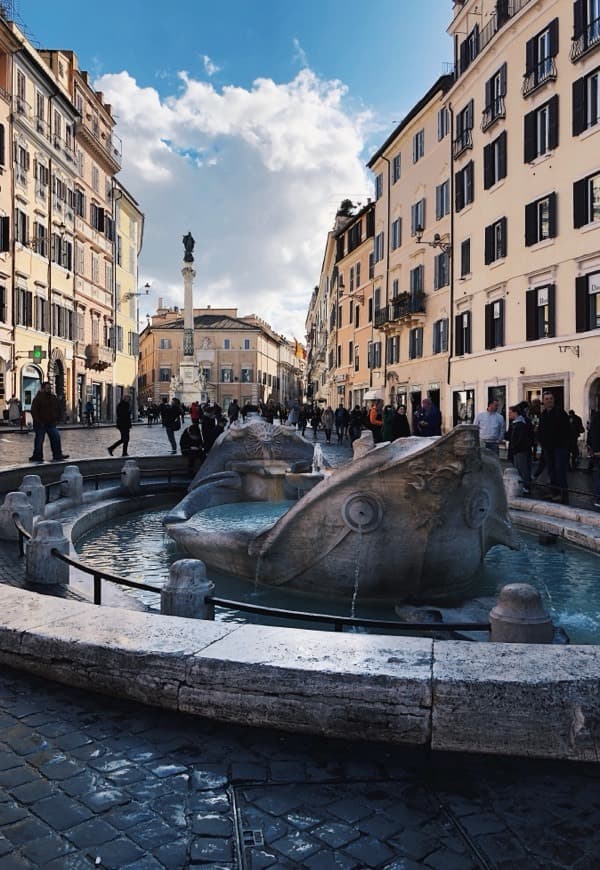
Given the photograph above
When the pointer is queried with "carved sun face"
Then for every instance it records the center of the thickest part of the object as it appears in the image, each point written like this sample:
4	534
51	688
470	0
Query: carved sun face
261	440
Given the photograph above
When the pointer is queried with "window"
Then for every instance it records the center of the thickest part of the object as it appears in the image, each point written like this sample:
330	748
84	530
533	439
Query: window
440	336
379	246
415	343
586	201
495	91
133	343
441	276
21	227
417	216
465	258
164	343
539	58
540	220
374	355
395	288
164	375
418	145
227	375
247	376
587	302
24	312
246	344
586	102
494	161
379	186
393	349
586	27
339	248
443	123
469	49
495	241
95	178
350	352
97	218
356	317
354	236
462	336
540	313
370	311
226	344
494	324
442	200
2	304
464	126
40	237
416	279
396	168
396	233
356	358
541	130
371	265
206	373
464	182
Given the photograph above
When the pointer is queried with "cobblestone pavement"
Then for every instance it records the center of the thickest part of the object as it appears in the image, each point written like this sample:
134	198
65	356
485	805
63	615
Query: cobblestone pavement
87	780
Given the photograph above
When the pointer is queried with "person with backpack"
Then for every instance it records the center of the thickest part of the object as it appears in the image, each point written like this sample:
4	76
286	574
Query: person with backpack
520	438
171	419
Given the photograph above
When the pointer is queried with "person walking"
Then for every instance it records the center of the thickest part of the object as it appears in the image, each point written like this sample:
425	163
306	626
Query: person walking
327	423
520	438
45	412
492	426
123	425
554	434
233	412
577	428
355	423
341	417
428	420
15	411
400	424
387	430
376	420
171	419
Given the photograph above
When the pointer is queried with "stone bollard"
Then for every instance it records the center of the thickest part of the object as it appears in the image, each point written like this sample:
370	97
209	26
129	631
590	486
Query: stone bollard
35	491
130	477
520	617
15	503
71	483
185	592
363	444
512	483
41	566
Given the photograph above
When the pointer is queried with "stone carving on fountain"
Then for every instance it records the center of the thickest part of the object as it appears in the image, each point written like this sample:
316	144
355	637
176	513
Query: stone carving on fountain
414	518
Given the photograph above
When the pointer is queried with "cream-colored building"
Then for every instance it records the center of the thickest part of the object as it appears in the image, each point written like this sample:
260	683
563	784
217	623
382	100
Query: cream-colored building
238	357
129	229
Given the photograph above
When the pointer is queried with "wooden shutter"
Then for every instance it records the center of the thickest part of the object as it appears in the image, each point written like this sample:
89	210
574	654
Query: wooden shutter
553	37
553	218
530	137
4	233
489	326
551	310
579	106
553	122
531	224
467	348
489	245
464	63
458	336
531	333
504	229
503	72
502	156
488	166
470	170
580	202
581	304
459	196
488	94
470	114
2	145
530	56
500	342
579	18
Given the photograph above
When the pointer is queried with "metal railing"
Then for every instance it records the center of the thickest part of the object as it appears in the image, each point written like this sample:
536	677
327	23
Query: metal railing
493	113
462	142
586	41
543	72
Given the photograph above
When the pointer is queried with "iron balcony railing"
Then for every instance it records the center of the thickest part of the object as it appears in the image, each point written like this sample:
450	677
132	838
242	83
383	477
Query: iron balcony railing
505	10
586	41
402	306
463	141
543	72
493	112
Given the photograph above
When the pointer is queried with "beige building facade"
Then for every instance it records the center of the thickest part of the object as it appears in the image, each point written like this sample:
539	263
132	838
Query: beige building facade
238	357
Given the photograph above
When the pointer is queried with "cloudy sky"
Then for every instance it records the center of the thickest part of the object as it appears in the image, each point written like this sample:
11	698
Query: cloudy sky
247	122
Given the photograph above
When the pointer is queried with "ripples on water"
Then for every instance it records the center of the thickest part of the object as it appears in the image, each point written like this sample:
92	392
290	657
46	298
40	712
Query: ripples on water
137	547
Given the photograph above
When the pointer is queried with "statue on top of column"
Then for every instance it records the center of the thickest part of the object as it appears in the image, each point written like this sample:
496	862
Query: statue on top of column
188	244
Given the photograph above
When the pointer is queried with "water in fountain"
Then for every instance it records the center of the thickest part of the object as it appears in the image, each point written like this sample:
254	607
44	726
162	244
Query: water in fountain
318	459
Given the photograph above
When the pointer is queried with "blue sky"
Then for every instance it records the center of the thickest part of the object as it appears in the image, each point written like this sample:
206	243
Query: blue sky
231	114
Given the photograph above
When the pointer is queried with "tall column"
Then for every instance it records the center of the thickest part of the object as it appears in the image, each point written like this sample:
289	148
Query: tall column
189	274
187	385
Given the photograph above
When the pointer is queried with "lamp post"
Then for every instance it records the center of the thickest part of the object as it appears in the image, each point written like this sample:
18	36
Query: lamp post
443	243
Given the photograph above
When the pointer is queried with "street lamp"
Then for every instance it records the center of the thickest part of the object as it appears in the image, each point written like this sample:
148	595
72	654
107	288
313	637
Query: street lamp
144	292
444	245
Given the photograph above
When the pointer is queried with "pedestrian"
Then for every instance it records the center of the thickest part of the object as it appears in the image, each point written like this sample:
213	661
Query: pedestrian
577	429
233	412
520	438
341	417
191	445
387	430
355	423
15	411
123	425
315	420
400	424
376	420
170	414
554	434
428	420
45	412
303	418
492	426
327	423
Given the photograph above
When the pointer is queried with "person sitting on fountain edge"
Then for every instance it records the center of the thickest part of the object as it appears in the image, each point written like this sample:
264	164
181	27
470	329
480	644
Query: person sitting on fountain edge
191	445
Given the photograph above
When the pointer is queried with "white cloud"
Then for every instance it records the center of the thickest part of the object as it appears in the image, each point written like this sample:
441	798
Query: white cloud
210	68
256	175
299	53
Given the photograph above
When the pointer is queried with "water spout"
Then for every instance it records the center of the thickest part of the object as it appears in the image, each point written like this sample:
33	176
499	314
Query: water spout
318	459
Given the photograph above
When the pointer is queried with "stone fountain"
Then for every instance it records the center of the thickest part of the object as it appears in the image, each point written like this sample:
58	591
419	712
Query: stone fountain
414	517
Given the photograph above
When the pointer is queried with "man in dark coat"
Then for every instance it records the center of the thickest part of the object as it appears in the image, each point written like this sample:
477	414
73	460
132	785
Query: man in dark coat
45	412
554	435
428	420
123	425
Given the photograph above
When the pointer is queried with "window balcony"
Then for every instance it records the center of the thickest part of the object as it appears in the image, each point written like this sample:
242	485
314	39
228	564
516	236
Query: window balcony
544	72
492	113
462	142
403	308
98	357
586	41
